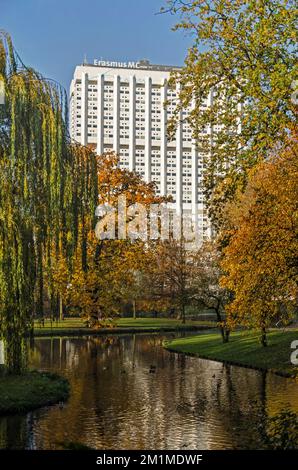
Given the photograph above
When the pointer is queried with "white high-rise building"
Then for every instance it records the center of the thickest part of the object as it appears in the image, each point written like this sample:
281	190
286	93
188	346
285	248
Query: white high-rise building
120	106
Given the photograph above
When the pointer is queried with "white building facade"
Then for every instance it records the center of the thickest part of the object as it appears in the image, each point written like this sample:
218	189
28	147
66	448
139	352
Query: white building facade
121	107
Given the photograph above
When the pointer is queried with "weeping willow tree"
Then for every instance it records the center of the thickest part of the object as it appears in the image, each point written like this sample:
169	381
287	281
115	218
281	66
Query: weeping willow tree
48	192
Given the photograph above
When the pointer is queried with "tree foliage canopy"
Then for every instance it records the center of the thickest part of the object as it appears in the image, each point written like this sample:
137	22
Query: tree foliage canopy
261	259
99	292
47	187
246	52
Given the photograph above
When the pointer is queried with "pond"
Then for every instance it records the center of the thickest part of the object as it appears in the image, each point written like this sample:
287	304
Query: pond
128	392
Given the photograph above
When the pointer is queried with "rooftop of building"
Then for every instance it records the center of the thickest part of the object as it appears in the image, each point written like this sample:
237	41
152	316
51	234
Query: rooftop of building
142	64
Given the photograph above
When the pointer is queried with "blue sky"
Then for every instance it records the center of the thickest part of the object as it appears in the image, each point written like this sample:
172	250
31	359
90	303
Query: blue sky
54	35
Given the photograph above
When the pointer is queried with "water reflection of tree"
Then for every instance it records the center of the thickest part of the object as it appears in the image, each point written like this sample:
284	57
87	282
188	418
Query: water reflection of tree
232	390
119	401
15	432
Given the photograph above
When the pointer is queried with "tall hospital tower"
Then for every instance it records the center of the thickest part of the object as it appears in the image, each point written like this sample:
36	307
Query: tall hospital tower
120	106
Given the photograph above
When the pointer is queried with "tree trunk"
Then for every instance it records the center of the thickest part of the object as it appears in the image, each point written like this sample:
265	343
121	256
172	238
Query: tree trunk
134	309
224	331
61	317
263	337
183	313
226	335
15	353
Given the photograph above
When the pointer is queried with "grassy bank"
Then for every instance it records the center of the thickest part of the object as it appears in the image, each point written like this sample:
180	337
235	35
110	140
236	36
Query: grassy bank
75	326
31	390
243	349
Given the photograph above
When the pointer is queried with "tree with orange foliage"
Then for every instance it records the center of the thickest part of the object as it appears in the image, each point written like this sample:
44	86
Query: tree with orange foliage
261	258
98	288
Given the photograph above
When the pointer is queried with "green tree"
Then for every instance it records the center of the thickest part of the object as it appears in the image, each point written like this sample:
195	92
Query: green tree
280	431
47	188
246	52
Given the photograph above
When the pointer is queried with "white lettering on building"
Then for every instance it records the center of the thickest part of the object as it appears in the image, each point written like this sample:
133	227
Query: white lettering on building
124	65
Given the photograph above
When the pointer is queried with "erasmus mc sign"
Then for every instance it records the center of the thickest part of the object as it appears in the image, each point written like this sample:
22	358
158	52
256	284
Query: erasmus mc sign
125	65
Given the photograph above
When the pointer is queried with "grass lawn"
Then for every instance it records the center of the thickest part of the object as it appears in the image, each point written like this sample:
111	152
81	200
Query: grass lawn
243	349
158	322
31	390
73	325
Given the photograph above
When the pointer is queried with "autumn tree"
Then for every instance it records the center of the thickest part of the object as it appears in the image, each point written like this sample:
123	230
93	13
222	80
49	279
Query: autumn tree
176	276
245	52
132	271
260	260
94	293
169	276
99	289
206	284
